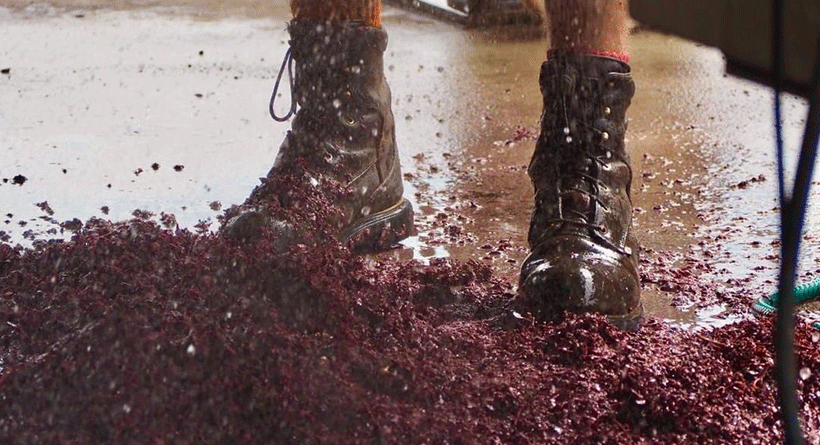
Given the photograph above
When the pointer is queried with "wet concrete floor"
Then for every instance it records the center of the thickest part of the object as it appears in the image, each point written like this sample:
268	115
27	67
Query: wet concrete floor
111	107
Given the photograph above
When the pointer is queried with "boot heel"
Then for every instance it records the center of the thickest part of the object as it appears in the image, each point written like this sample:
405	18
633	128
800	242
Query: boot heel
382	230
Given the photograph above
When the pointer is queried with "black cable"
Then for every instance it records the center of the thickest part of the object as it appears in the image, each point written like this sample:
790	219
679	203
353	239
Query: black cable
792	218
777	83
784	334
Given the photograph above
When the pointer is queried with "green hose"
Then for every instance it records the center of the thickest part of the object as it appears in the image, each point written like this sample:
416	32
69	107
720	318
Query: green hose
803	293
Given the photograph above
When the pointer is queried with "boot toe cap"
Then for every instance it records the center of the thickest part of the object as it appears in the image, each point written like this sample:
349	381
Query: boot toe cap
251	224
580	276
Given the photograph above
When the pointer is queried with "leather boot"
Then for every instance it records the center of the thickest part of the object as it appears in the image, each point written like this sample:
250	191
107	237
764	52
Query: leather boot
584	255
343	132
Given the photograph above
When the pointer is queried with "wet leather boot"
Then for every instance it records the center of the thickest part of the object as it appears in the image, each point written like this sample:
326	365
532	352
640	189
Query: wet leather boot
584	255
343	132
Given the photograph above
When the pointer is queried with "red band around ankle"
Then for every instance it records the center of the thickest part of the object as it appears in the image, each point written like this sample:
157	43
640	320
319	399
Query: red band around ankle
622	56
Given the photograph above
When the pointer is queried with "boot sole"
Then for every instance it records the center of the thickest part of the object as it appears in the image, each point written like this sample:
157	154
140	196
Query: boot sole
629	322
382	230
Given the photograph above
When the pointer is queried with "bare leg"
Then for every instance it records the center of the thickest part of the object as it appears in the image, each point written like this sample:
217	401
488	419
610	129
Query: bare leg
367	11
587	25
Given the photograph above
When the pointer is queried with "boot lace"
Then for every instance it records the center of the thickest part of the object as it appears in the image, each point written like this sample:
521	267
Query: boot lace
583	218
287	63
571	172
305	144
577	172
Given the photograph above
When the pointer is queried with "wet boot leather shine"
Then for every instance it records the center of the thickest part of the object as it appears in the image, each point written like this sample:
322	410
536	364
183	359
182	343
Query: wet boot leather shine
343	131
584	254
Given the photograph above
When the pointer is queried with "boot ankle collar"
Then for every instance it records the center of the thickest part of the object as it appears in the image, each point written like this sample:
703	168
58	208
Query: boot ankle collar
589	64
620	56
311	35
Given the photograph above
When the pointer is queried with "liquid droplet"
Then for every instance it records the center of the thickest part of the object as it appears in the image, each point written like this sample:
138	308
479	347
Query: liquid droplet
569	139
337	103
607	111
365	210
805	373
566	130
605	136
191	350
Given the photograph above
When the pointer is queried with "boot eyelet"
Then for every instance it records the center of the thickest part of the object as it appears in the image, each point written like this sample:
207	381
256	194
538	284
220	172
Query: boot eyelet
348	120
